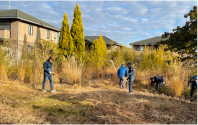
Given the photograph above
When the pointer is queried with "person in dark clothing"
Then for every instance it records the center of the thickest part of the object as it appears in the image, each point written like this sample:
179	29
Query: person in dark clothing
159	80
122	73
131	76
48	72
193	82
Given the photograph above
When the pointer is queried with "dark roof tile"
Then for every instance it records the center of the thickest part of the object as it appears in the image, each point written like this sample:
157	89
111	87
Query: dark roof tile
106	39
150	41
15	13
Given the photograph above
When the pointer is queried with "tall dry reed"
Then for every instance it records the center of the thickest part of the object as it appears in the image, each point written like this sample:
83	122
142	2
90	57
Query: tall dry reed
4	77
71	72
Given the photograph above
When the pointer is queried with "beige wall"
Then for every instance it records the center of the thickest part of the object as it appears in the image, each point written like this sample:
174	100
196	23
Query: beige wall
38	33
4	33
7	33
114	48
23	34
14	30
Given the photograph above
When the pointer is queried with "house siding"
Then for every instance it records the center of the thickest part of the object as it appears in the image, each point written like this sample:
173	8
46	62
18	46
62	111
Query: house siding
23	35
2	33
38	32
5	34
114	48
14	30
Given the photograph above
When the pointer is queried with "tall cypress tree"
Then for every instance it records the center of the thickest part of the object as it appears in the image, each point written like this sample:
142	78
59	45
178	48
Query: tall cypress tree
65	40
77	32
96	47
103	46
100	51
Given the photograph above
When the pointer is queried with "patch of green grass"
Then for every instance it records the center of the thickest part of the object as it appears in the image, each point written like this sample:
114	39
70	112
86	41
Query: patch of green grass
186	92
166	90
54	107
88	102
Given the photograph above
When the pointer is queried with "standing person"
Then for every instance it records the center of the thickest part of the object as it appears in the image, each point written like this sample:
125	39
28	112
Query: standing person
193	82
159	80
48	72
122	73
131	77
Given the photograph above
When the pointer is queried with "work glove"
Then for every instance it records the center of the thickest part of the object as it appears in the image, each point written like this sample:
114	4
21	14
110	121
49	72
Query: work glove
51	72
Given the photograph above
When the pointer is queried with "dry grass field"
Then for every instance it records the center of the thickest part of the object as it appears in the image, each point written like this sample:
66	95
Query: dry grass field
99	103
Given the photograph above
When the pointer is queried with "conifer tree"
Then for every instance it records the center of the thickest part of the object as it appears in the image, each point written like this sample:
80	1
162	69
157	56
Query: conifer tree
100	51
77	32
103	47
96	46
65	40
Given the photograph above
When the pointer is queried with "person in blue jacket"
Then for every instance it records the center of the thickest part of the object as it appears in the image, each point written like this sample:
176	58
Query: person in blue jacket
48	72
131	76
193	82
122	73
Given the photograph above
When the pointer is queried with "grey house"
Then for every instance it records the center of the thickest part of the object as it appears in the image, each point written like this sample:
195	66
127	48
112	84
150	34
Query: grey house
111	44
152	42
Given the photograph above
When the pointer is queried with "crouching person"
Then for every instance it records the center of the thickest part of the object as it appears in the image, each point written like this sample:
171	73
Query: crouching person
159	80
193	82
122	73
48	72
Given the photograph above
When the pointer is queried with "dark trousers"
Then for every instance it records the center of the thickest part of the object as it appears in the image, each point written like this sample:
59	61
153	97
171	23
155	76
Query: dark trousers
194	85
121	80
158	84
131	79
48	76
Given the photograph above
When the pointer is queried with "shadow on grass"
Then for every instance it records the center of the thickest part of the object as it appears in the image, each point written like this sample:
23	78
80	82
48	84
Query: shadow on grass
115	107
99	107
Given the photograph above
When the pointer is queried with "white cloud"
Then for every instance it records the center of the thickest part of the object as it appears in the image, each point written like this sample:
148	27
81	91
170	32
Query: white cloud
144	20
122	21
118	10
126	28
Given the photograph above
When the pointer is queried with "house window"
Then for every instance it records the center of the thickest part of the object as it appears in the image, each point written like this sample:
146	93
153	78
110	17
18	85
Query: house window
47	34
142	48
30	30
108	47
116	47
137	48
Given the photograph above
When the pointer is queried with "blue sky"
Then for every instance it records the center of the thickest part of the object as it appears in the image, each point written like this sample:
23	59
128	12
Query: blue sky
122	21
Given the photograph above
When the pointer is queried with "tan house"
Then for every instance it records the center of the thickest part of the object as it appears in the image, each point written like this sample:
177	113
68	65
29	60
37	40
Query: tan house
151	42
111	44
19	27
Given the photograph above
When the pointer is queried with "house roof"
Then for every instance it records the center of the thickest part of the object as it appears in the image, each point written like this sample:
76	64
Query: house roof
17	14
150	41
106	39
